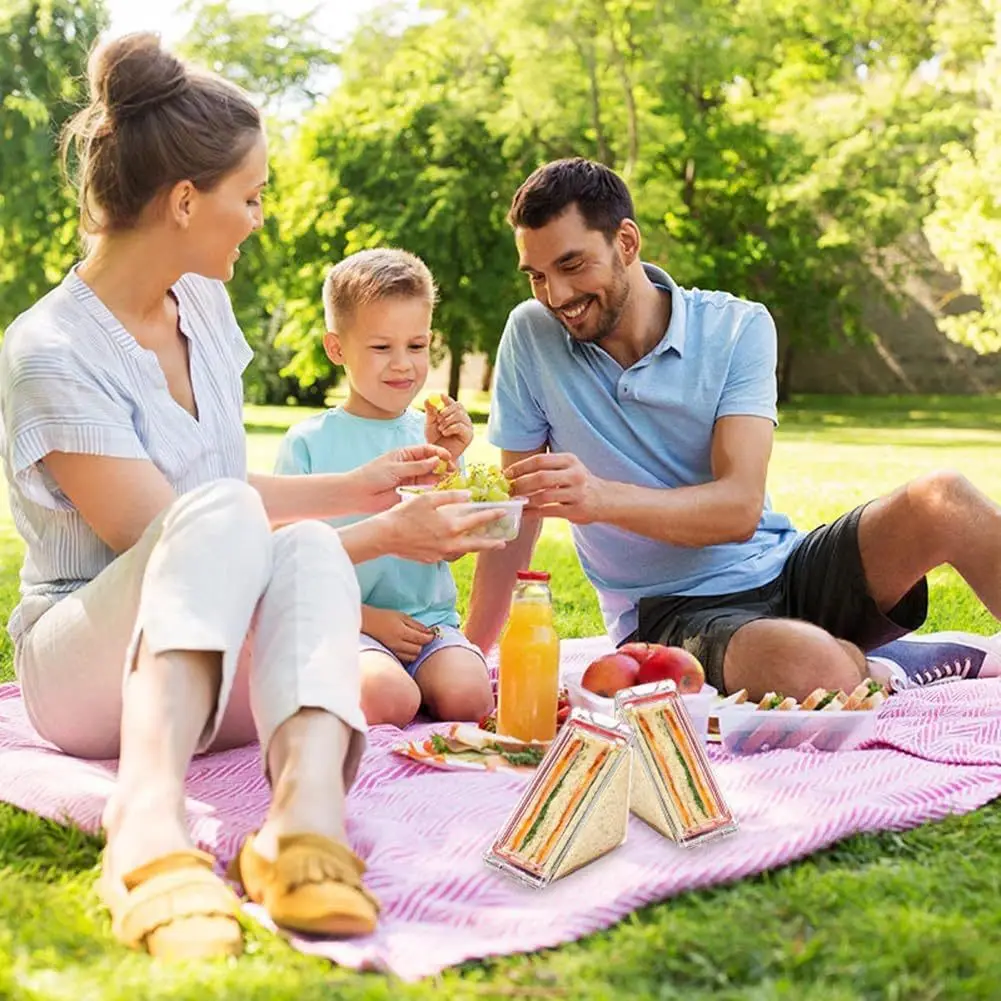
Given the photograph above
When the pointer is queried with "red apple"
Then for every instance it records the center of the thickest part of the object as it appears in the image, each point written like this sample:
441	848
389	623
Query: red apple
608	674
666	663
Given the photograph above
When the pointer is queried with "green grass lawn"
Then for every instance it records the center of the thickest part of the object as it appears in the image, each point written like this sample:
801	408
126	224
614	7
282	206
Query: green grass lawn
908	917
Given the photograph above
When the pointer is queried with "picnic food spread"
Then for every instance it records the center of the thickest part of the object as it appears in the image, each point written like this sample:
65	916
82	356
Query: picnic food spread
826	720
673	788
586	782
484	482
464	747
577	806
640	664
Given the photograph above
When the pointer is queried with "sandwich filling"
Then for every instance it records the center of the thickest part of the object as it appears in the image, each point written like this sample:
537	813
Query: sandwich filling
679	770
548	818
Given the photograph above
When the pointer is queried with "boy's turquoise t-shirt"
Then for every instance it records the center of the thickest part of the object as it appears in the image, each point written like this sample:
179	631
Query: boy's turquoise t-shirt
337	442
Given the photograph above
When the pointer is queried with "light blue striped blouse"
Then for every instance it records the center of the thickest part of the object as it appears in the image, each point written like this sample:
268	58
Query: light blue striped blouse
73	379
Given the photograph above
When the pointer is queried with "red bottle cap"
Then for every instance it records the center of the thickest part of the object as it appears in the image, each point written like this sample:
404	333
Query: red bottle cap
533	575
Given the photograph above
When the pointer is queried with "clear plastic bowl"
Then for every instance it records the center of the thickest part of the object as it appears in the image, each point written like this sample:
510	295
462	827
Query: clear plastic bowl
699	706
746	730
505	528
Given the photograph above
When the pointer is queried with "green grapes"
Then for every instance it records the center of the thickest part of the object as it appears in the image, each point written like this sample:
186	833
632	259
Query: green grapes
484	483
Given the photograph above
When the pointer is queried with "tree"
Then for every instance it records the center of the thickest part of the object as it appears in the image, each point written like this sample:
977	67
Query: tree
965	227
664	92
44	46
403	158
281	60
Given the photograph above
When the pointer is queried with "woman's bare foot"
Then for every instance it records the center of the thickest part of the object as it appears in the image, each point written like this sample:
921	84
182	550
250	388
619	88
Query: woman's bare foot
139	829
306	759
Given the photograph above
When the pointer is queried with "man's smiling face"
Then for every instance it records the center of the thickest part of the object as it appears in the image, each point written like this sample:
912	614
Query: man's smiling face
577	272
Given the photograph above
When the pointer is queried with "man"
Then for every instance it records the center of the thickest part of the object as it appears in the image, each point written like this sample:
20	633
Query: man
644	414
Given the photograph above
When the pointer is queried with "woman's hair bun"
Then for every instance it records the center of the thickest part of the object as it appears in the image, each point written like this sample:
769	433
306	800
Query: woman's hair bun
132	74
151	122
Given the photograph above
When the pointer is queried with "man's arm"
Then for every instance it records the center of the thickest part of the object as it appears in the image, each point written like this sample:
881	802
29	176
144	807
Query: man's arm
726	509
497	572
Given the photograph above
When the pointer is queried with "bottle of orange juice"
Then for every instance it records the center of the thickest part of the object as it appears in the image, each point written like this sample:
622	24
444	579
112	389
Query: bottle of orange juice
528	678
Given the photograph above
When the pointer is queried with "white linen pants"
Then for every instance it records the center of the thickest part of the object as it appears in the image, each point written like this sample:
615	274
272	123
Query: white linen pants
282	607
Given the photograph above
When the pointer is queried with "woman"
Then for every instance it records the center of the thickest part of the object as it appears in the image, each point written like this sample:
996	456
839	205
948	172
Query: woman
150	555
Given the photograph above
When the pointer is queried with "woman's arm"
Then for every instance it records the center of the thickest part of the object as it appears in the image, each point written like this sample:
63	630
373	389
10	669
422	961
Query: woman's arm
364	490
426	529
118	498
297	498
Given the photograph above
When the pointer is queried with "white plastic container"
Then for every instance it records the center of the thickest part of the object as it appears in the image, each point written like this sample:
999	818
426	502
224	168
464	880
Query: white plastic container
505	528
699	706
746	730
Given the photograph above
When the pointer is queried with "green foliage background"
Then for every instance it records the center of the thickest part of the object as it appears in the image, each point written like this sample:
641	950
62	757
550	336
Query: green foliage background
784	150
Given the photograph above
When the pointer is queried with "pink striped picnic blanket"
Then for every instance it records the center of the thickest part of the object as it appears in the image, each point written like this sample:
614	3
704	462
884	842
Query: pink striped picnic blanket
423	832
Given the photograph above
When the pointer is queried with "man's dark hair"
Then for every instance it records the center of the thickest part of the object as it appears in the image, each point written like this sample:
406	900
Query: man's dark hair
599	193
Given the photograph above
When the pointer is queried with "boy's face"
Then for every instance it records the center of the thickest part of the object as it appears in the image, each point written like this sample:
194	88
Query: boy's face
385	349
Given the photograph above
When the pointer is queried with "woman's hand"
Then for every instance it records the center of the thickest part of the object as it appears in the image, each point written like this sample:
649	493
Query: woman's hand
415	465
428	528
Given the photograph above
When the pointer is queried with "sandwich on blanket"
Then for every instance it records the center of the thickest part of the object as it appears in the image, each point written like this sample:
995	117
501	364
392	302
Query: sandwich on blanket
674	789
577	806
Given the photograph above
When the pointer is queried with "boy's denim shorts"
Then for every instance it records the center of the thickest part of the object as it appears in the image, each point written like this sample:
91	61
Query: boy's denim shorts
447	636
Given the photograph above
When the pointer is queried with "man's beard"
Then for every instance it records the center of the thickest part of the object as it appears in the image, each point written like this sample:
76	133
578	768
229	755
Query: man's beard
616	297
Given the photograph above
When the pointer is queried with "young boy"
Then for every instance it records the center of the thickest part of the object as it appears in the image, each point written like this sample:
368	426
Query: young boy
378	306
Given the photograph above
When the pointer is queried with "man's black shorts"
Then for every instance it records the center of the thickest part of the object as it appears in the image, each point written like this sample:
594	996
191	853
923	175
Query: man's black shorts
822	582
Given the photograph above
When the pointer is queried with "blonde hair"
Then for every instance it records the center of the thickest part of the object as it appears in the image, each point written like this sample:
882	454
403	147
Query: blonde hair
372	275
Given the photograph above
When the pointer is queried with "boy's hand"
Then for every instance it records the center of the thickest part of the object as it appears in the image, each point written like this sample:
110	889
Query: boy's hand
405	636
450	427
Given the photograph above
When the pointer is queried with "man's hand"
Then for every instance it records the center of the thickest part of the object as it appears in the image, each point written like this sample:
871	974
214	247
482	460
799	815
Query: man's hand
450	427
405	636
558	485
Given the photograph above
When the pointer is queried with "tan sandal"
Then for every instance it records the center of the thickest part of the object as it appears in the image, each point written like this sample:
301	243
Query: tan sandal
313	886
174	907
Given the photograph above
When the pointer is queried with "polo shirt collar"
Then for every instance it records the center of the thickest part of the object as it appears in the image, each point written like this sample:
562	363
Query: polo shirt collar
674	336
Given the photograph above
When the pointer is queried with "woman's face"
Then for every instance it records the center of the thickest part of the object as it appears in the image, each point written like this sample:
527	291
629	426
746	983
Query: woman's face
219	220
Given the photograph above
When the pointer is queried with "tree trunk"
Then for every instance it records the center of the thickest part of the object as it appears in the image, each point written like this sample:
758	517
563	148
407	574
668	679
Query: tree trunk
688	194
454	372
591	62
631	123
622	68
785	373
488	375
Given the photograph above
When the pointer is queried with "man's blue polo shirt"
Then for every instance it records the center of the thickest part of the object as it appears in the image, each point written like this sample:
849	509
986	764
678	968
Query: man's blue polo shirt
651	425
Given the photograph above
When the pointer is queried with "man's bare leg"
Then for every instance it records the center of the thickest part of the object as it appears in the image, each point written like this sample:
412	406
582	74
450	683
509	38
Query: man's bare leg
791	657
937	519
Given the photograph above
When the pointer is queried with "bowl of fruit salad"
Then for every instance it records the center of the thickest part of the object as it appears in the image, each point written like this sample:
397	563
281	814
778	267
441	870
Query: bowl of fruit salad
489	490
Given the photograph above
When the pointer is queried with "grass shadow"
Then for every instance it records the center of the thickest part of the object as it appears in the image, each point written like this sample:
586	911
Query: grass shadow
900	413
